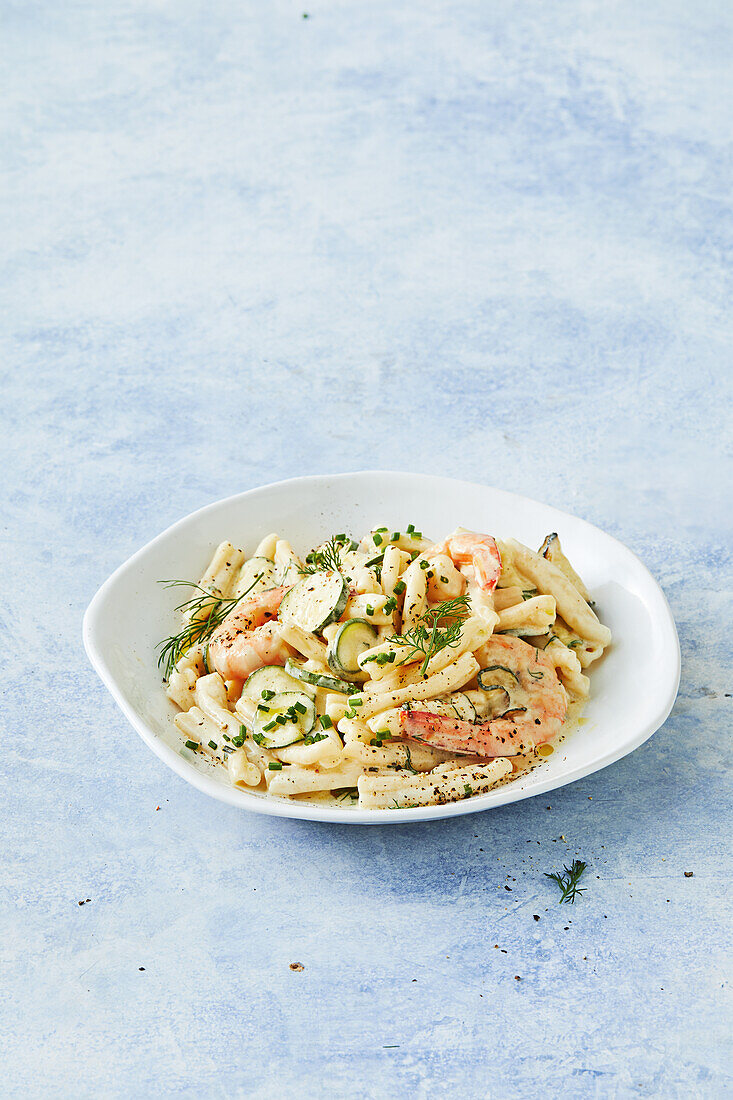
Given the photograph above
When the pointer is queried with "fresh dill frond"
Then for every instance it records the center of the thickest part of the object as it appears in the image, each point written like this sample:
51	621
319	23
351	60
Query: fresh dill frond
327	558
204	612
568	882
440	627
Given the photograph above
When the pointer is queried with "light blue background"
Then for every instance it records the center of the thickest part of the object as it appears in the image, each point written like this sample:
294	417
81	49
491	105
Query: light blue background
486	240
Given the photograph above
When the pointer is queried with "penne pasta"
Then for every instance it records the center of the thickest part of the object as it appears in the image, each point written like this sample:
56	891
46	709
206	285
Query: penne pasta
370	607
266	547
552	551
568	668
399	791
453	676
535	615
220	574
305	643
550	579
419	757
294	780
242	771
416	594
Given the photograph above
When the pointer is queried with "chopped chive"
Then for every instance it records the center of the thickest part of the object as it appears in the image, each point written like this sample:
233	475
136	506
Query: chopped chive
192	745
400	588
395	536
326	722
410	528
275	767
212	745
377	539
376	743
301	709
424	564
369	609
225	737
356	702
267	694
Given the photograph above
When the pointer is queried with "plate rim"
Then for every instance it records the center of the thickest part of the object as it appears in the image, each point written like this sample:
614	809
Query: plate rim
93	617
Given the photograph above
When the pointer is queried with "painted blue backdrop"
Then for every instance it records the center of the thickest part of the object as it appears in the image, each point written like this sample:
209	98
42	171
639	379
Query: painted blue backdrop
243	241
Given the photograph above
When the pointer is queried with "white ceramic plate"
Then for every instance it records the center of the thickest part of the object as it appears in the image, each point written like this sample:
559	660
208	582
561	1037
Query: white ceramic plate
632	688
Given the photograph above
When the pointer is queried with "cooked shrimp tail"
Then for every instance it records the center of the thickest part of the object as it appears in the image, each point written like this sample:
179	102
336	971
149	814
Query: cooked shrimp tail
477	556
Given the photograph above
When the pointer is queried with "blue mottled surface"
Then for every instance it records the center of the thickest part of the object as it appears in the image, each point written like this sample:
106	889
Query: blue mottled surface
238	244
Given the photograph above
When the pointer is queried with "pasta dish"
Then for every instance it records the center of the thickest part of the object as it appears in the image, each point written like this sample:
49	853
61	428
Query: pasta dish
390	672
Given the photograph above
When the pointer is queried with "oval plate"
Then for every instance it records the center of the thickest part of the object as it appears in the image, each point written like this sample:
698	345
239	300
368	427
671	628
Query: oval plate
633	687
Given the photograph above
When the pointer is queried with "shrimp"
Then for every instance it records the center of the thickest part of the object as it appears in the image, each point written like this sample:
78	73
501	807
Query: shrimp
537	707
477	556
249	637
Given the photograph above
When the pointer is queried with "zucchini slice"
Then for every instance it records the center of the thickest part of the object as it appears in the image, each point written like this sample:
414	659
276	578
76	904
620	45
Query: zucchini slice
316	679
351	640
269	678
283	720
315	601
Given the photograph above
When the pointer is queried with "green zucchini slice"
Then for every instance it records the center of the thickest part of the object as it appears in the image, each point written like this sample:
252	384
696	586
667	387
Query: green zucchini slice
272	680
283	720
352	639
315	601
316	679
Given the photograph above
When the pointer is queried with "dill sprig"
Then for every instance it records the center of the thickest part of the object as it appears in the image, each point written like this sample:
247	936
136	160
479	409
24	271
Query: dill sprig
568	882
327	557
204	612
432	634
